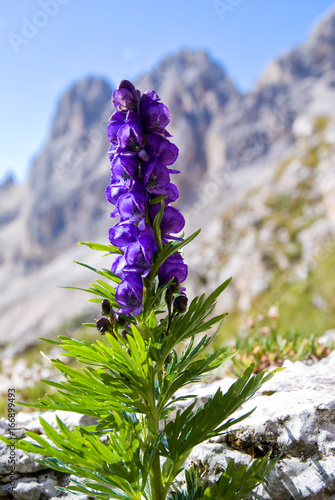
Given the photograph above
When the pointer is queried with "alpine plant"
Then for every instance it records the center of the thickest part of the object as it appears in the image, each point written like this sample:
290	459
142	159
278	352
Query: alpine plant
142	432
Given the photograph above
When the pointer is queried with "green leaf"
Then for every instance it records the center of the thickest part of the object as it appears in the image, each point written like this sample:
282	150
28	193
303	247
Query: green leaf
190	429
104	272
158	199
101	248
168	250
157	226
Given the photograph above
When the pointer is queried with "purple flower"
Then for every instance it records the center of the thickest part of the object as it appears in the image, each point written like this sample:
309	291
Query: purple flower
155	177
115	190
173	267
123	233
126	96
154	115
138	255
172	222
132	205
140	154
161	149
113	128
129	294
130	136
124	166
118	265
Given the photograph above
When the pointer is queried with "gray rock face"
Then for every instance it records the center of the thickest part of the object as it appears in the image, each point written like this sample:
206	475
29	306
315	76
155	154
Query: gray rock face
294	414
313	58
65	181
35	481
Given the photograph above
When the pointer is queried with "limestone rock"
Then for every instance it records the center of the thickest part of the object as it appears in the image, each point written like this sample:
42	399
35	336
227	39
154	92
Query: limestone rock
295	413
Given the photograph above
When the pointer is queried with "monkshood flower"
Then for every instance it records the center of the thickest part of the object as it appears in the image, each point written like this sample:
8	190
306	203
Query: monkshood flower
140	157
155	115
173	267
129	293
126	97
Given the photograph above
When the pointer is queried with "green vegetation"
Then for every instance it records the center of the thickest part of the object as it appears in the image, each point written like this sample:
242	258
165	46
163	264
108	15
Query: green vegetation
321	123
282	167
32	356
301	320
312	157
267	348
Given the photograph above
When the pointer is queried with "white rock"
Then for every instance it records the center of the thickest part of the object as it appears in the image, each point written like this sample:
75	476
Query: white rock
295	409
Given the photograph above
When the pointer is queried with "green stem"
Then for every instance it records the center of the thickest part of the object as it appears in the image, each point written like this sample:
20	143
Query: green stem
157	489
156	483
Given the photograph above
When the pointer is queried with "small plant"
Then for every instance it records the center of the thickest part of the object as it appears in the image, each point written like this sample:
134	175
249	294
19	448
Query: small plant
266	346
132	374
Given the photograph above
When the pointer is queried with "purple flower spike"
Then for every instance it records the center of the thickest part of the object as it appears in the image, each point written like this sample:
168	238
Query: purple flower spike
173	267
140	154
126	96
129	294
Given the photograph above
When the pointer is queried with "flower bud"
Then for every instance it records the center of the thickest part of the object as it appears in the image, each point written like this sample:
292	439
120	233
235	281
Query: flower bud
105	307
180	304
103	326
168	296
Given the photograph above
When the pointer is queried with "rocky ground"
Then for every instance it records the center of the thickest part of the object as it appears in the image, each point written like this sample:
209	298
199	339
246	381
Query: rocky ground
294	414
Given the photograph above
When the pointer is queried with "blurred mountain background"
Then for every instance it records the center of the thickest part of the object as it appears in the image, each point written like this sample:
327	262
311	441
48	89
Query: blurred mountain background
258	175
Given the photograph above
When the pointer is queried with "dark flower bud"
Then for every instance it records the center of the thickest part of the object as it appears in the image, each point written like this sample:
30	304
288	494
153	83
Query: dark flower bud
124	334
168	295
103	326
105	307
180	304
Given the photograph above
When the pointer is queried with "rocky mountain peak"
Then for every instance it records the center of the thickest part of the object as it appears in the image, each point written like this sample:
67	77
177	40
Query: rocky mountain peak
324	31
188	80
81	106
313	58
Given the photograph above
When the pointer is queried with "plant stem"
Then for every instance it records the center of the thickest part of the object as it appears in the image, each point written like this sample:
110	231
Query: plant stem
156	483
157	489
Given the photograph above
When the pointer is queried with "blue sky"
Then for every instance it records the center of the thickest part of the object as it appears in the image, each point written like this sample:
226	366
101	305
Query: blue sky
45	45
